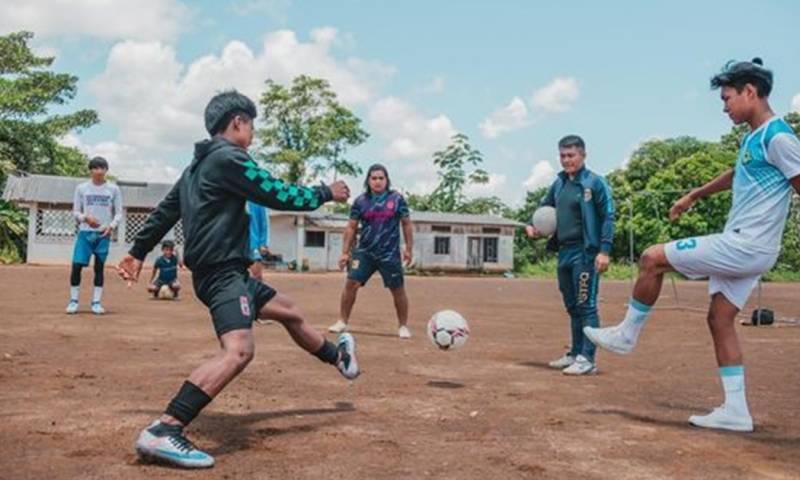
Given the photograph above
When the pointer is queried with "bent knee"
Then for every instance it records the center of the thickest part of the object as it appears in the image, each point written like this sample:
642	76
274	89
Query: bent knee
653	258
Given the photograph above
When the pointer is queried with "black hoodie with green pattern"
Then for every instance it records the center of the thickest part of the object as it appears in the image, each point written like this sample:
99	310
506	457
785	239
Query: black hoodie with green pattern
210	199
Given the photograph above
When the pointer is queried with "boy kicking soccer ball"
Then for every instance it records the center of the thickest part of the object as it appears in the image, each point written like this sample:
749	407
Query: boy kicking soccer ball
210	199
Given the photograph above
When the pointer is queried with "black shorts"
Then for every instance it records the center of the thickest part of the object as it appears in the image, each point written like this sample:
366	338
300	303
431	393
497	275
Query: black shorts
362	265
233	297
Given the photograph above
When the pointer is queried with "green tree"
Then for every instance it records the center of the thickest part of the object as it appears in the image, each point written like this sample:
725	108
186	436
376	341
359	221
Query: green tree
29	132
306	131
458	166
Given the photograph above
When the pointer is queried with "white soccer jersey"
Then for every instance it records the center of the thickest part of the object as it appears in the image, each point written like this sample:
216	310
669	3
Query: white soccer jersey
103	202
768	158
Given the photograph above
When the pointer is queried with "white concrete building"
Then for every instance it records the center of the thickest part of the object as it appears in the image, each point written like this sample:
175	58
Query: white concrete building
442	241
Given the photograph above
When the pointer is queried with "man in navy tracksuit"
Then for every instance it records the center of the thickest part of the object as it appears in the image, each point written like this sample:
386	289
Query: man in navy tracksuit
584	233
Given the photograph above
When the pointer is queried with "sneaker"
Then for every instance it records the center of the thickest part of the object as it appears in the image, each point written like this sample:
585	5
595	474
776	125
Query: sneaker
581	366
403	332
98	309
347	363
338	327
171	447
725	419
72	307
562	362
610	338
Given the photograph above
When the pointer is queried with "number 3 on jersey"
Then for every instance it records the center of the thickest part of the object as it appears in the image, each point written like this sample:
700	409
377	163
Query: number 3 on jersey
686	244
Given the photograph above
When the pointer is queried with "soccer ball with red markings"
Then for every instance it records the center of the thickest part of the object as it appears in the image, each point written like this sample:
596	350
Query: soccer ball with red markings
448	330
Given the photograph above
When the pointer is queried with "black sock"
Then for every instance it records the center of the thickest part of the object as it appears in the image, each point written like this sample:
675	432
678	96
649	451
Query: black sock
328	353
99	269
75	275
187	403
162	429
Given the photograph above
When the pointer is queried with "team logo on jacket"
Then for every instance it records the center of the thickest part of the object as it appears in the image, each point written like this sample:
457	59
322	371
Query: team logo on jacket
245	305
587	194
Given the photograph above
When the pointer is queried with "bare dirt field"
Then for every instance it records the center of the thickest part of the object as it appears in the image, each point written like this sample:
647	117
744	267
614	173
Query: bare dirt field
76	390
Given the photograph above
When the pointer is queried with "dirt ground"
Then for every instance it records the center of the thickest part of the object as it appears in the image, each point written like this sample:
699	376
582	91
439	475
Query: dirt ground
76	390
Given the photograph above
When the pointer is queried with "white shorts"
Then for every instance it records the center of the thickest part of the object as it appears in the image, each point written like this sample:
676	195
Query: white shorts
732	266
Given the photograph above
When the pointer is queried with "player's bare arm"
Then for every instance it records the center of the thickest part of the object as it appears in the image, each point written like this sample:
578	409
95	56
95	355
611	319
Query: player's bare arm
723	182
408	236
347	242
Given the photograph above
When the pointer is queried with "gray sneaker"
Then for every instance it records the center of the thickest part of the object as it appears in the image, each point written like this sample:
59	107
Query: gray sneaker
562	362
581	366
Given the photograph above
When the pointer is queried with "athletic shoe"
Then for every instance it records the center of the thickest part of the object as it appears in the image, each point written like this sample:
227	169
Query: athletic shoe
403	332
581	366
610	338
98	309
725	419
173	448
72	307
562	362
338	327
347	364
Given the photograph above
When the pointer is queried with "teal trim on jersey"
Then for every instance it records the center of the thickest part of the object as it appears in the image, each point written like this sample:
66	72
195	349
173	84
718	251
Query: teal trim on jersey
774	128
731	371
639	305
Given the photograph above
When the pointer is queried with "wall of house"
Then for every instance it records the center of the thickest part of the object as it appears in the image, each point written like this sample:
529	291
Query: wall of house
51	240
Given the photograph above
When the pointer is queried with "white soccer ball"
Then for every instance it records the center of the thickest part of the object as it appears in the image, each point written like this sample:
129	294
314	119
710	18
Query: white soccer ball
544	220
165	293
448	330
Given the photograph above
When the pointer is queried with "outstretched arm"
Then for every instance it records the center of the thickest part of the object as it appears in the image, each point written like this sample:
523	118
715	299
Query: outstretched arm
242	176
723	182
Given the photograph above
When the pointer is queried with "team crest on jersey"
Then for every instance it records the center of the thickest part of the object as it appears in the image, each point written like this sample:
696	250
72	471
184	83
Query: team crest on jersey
390	205
245	305
747	157
587	194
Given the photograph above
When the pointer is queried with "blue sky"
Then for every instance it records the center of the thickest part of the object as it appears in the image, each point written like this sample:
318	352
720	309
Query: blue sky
513	76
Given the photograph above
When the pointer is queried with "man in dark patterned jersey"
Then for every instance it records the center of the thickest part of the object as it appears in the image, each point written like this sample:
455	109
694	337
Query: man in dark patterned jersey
380	212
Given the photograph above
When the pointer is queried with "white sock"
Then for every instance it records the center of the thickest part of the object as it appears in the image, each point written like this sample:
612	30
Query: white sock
74	293
635	319
98	294
733	385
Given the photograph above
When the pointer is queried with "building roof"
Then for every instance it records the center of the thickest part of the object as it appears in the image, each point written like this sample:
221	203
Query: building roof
53	189
60	190
324	219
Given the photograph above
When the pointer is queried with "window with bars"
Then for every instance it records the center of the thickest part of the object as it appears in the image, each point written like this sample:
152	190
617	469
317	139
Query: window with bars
490	249
55	223
134	221
441	245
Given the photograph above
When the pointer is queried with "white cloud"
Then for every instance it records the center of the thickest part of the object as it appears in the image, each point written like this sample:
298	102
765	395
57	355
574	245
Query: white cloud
128	162
542	175
107	19
558	96
509	118
796	103
411	139
410	134
156	102
494	187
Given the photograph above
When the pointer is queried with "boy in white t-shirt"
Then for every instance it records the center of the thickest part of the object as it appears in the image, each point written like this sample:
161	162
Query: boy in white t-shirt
97	207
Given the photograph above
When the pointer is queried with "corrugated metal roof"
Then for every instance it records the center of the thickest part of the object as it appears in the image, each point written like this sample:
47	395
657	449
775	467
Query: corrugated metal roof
53	189
441	217
333	220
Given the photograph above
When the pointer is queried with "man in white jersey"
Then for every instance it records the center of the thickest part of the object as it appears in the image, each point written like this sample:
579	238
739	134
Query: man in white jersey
97	207
767	168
